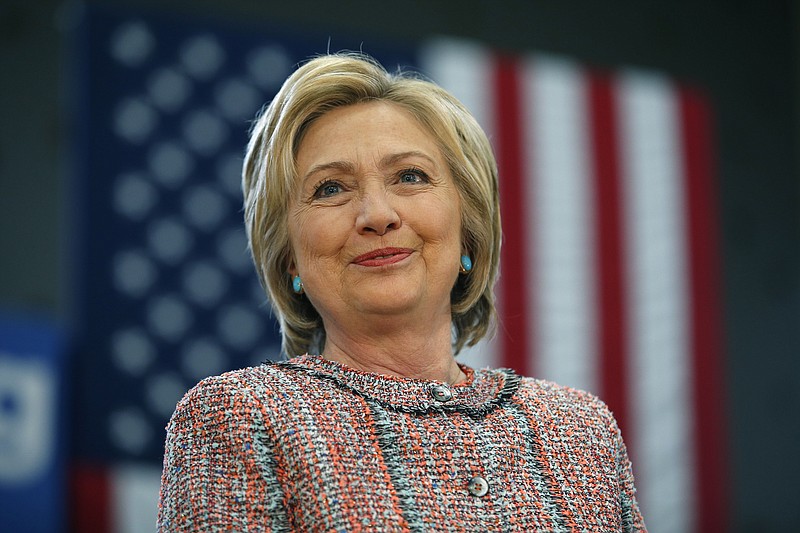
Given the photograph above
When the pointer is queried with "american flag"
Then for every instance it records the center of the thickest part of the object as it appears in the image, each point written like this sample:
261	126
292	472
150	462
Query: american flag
608	267
610	274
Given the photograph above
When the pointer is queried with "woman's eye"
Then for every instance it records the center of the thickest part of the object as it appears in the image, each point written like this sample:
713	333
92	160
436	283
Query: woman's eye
413	176
327	189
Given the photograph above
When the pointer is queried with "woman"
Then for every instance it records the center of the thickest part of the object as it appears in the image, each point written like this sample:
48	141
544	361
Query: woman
371	206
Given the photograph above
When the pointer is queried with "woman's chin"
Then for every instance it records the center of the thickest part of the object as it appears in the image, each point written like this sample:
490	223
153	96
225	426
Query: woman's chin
387	304
388	298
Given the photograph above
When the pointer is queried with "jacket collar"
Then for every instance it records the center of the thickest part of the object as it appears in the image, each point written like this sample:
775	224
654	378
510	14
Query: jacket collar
481	392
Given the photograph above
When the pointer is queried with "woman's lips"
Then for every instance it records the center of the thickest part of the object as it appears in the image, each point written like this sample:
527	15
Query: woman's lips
382	257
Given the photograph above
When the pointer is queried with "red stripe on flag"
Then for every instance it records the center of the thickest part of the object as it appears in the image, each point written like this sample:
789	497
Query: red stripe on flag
706	331
611	294
90	500
513	324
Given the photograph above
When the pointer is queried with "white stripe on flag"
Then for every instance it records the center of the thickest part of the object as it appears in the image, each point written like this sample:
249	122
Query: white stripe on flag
134	499
658	300
560	191
464	69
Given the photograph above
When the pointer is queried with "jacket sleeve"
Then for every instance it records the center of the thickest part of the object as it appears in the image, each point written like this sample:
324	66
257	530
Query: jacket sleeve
632	520
219	468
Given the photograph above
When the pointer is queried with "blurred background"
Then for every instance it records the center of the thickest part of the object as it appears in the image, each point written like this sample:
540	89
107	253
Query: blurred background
649	190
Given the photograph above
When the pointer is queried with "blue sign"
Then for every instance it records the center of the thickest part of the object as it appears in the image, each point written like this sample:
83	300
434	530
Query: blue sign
31	439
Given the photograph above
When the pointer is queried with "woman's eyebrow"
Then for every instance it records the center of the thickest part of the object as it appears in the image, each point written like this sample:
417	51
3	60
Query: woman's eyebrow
341	166
392	159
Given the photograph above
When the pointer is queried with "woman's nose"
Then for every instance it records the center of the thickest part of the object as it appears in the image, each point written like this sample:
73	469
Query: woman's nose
377	213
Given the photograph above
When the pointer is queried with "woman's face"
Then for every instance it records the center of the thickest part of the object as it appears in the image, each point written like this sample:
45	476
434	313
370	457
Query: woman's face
374	225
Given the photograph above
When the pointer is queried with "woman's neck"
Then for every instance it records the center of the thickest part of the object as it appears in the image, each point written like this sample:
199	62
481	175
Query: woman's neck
420	350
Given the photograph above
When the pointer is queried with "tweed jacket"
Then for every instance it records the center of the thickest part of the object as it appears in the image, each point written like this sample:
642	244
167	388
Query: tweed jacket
312	445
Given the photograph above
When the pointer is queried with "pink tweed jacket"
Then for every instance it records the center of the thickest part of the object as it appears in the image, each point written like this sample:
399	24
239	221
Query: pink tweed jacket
312	445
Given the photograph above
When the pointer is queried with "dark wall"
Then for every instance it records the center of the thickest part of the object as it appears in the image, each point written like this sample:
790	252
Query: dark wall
31	144
743	55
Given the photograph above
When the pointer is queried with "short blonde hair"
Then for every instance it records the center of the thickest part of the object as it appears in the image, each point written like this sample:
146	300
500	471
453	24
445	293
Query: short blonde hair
269	178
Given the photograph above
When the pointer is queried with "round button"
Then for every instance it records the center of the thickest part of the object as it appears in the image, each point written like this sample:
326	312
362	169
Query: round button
441	392
478	486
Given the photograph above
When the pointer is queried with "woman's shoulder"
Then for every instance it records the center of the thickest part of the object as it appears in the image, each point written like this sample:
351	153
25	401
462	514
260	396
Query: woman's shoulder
233	382
232	391
544	388
556	399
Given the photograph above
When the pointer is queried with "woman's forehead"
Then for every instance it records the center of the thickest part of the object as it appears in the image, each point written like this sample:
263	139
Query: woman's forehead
379	132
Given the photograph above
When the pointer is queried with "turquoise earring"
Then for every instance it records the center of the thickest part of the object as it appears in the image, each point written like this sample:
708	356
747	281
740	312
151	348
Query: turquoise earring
297	285
466	264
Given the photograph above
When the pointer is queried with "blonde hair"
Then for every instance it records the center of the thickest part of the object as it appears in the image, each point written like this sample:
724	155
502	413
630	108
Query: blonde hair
269	179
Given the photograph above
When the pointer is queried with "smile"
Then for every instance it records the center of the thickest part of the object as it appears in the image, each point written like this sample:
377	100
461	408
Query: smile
382	257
